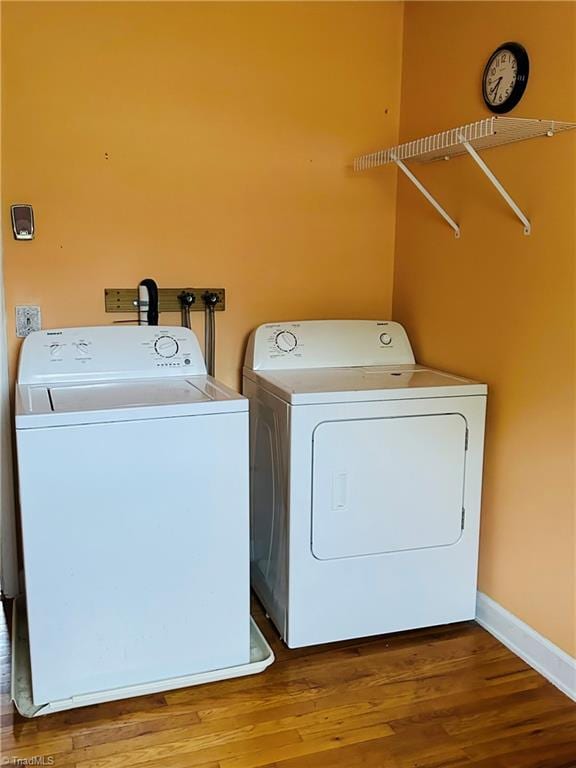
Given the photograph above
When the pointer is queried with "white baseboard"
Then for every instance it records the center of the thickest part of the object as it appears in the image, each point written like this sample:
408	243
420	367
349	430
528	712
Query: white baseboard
545	657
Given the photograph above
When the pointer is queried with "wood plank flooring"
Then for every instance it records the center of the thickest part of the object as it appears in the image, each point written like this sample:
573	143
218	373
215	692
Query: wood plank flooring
446	697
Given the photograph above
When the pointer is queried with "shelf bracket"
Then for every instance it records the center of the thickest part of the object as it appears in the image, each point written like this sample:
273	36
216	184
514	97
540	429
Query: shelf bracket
427	195
484	168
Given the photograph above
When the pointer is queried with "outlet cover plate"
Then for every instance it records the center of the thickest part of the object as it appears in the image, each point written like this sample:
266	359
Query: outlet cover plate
28	319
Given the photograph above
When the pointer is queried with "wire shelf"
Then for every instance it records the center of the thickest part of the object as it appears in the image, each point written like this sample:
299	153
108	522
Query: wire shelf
483	134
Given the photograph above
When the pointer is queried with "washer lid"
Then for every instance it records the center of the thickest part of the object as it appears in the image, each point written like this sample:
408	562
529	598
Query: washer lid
107	395
338	385
67	404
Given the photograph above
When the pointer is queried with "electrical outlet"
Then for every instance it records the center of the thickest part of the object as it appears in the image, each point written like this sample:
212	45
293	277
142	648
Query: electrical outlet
28	319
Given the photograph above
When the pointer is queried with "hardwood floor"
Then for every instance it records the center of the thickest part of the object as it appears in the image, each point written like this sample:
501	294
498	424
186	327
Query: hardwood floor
447	697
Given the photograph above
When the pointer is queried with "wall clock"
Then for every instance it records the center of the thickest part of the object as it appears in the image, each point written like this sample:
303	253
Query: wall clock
505	77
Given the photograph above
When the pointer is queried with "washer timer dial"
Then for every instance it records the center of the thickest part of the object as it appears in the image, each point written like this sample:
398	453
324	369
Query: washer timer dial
166	346
286	341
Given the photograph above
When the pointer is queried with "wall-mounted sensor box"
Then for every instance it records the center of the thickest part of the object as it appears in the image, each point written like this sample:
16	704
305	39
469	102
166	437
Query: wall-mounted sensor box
22	221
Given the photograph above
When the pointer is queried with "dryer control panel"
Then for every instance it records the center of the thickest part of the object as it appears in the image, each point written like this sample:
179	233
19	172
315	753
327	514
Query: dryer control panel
328	344
99	352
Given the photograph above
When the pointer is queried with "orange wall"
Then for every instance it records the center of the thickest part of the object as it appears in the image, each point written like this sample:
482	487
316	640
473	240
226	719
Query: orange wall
497	305
200	144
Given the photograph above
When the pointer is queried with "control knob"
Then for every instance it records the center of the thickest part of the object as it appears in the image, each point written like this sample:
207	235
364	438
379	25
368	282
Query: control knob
166	346
286	341
82	348
386	339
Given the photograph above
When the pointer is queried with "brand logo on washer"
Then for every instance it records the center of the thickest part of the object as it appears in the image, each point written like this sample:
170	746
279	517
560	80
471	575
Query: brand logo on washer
53	333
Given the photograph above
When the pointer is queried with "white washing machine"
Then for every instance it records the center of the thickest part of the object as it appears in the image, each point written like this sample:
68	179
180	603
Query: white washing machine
133	473
366	474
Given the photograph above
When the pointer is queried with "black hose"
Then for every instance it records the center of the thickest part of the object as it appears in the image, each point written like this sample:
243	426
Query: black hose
153	311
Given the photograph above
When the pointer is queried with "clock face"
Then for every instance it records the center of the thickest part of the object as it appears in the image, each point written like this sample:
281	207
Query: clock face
503	71
505	77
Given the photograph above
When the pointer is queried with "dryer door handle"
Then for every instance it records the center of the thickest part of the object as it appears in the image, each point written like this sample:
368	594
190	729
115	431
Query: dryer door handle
339	490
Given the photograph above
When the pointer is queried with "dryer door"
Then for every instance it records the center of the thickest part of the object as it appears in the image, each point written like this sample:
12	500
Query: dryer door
389	484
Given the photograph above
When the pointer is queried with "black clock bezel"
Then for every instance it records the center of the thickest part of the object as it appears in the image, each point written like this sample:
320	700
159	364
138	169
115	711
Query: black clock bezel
523	62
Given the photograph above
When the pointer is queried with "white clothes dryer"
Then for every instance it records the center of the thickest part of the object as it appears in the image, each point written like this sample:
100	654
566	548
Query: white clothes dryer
366	473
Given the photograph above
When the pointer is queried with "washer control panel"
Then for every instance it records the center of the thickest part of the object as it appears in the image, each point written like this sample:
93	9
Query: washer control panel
107	351
328	344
